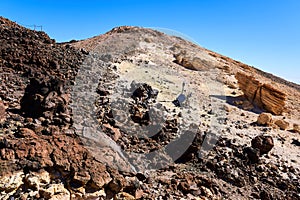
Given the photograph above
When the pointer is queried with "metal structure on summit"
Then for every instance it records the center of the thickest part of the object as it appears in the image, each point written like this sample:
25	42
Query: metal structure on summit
34	27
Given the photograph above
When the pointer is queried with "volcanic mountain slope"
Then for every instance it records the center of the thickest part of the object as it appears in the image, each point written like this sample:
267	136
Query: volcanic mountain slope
135	113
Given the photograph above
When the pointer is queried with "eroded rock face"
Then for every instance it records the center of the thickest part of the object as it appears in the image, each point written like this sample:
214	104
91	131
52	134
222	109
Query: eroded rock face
262	95
62	156
190	62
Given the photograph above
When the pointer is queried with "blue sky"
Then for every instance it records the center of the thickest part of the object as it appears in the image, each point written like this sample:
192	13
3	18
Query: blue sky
261	33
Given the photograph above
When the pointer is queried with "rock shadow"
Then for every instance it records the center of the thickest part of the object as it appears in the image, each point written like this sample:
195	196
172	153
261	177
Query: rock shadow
240	102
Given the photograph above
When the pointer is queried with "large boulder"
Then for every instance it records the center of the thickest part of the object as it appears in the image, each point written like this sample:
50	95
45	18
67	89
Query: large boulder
191	62
282	124
263	95
264	119
263	143
46	99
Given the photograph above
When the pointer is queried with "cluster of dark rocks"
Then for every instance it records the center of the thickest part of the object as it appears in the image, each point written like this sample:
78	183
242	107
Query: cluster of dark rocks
144	127
36	55
244	166
36	78
47	101
241	166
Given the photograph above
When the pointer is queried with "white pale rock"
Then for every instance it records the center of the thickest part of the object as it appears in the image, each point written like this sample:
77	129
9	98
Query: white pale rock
12	182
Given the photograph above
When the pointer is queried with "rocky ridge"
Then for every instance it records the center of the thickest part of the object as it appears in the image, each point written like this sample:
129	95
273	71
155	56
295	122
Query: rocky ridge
36	75
44	156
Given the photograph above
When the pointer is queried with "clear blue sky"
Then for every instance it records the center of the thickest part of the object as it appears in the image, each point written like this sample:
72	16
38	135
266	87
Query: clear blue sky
261	33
